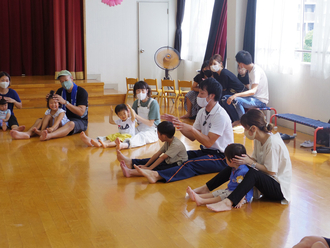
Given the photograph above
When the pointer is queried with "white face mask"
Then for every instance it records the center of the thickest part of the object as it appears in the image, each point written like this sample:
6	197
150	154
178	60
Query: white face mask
215	68
202	102
4	85
250	137
141	96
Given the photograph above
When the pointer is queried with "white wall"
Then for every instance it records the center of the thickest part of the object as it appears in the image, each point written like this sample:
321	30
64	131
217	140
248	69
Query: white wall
112	40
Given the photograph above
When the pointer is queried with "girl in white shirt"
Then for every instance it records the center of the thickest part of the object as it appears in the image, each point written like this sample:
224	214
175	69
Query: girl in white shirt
54	117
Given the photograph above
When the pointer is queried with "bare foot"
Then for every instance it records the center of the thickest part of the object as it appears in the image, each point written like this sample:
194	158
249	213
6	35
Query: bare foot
104	145
20	128
186	116
124	169
44	135
202	190
85	139
127	161
224	205
151	175
4	126
36	131
19	135
95	143
191	193
118	144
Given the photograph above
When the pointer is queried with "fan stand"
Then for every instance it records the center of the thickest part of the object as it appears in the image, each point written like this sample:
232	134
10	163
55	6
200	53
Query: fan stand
166	75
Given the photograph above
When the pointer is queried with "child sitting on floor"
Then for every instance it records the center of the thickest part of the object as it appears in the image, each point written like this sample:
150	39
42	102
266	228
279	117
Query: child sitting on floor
4	114
54	117
172	153
236	176
126	128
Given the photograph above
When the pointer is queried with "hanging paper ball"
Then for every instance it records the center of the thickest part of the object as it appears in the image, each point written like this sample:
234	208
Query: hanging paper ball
112	2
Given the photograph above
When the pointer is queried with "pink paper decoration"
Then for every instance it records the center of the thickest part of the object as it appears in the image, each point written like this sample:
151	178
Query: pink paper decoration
112	2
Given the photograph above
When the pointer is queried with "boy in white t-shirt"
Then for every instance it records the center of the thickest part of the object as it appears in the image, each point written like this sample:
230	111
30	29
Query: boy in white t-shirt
126	128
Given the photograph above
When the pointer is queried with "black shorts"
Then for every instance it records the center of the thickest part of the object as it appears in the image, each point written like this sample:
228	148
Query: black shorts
12	121
79	125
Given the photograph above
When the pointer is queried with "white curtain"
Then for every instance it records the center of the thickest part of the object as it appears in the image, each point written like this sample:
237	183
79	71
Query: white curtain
195	29
320	62
276	24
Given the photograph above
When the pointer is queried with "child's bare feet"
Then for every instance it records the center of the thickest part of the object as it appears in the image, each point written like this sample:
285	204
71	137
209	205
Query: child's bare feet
95	143
44	135
127	161
224	205
202	190
191	193
4	126
151	175
19	135
36	131
85	139
124	169
104	145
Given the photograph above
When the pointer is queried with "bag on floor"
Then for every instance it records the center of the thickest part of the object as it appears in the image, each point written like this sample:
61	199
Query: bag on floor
323	137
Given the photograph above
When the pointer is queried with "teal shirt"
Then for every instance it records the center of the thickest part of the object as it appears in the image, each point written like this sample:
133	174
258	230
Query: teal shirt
154	113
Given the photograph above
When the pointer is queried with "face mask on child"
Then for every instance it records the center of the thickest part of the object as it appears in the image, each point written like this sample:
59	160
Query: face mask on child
141	96
4	85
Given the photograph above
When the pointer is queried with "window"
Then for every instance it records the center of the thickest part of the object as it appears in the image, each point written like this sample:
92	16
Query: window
305	28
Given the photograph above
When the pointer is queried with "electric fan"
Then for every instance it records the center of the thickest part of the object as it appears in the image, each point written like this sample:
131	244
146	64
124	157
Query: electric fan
167	58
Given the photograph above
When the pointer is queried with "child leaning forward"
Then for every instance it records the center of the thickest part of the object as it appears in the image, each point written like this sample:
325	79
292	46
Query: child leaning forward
172	153
236	177
126	128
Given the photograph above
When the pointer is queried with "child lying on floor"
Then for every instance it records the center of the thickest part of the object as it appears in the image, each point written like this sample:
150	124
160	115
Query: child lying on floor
236	176
172	153
126	128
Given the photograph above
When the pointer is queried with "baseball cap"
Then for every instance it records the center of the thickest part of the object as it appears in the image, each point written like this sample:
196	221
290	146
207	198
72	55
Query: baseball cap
63	73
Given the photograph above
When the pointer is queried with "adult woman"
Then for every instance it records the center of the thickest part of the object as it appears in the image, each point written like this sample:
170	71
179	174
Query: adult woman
148	117
190	101
12	99
230	83
270	164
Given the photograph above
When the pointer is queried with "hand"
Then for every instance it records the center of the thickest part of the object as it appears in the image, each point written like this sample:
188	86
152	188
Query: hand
168	117
241	203
182	126
59	99
111	110
244	159
9	99
230	99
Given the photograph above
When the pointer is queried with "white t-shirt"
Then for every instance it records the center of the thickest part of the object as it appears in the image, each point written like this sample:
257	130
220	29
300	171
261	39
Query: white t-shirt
127	126
217	122
60	110
258	76
274	155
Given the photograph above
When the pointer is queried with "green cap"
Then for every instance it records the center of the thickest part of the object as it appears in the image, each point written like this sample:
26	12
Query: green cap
63	73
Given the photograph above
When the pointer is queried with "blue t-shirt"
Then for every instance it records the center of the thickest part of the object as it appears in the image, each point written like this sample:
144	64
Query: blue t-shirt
236	177
12	94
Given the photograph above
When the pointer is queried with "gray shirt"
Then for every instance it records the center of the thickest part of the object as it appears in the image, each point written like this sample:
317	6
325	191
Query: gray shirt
176	152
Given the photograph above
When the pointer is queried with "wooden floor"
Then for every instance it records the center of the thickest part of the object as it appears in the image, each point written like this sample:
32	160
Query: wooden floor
61	193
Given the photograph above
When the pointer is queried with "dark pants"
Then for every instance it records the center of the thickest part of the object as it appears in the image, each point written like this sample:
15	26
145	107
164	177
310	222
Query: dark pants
268	186
162	166
199	162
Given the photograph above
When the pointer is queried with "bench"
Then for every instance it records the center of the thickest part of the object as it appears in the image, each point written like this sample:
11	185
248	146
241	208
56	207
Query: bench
318	125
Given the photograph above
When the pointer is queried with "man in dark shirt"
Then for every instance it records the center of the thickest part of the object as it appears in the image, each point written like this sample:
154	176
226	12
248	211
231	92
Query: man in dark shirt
74	100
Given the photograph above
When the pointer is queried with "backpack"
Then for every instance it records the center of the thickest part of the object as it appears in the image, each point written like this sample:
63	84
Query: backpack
323	137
